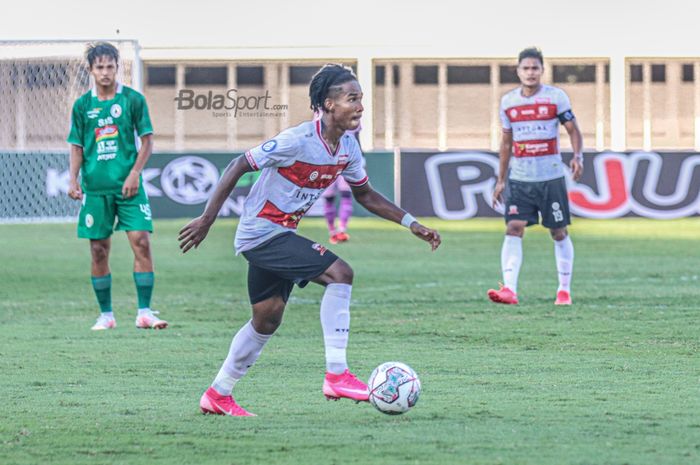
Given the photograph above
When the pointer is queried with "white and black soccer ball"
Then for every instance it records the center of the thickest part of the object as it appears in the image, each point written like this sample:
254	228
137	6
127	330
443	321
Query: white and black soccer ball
394	388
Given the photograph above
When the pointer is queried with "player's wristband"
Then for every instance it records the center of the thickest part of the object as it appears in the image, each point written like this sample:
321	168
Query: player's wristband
578	156
407	220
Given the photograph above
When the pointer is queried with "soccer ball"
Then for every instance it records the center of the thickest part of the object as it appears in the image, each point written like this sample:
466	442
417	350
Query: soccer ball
393	388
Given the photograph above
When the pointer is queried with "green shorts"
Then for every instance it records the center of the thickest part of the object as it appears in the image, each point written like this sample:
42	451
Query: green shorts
98	213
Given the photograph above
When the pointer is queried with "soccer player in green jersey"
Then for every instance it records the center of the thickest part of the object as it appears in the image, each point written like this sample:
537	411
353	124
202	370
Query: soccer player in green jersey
104	151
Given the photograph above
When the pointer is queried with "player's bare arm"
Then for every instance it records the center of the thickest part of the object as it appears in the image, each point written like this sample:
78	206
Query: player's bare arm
131	183
76	161
504	159
196	230
380	206
577	145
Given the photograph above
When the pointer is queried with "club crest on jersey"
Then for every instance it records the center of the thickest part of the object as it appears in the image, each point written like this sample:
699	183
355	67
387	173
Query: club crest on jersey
513	113
319	248
543	110
556	206
513	210
115	110
313	176
269	146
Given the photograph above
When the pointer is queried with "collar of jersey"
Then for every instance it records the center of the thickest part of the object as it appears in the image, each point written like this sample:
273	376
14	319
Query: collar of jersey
323	141
119	90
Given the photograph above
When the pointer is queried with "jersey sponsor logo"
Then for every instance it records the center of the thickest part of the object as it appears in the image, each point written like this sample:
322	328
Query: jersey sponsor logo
288	220
189	180
110	131
94	113
532	112
269	146
105	121
115	110
319	248
312	176
106	156
535	148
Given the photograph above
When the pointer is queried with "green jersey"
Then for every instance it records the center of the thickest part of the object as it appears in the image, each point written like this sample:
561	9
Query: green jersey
107	131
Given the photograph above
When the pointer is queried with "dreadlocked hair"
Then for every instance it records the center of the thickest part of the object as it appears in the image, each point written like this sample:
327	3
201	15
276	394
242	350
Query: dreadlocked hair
327	80
101	49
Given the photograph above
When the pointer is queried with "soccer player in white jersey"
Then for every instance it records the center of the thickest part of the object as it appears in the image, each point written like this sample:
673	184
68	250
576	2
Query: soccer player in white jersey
297	165
531	182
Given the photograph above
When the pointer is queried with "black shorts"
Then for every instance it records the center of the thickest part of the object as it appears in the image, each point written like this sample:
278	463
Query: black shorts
287	259
527	201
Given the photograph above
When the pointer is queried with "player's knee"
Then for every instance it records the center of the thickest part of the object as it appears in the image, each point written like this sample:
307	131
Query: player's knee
142	244
267	316
515	230
340	272
558	234
99	251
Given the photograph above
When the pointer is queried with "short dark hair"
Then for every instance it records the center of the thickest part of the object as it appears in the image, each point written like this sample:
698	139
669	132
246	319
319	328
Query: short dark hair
531	52
327	80
101	49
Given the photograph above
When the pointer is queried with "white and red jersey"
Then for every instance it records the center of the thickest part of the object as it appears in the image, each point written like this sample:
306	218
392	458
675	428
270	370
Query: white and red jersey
534	122
297	166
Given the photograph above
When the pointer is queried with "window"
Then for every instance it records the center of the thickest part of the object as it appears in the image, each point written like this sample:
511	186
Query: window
508	74
380	75
301	75
160	75
688	72
636	73
658	73
572	74
250	75
205	76
425	74
468	74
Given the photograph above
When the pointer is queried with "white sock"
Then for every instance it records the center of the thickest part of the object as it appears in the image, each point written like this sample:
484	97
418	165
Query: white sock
143	311
564	254
244	351
335	321
511	258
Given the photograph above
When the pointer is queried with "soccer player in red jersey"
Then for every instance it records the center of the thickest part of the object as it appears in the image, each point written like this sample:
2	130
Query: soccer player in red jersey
297	165
531	182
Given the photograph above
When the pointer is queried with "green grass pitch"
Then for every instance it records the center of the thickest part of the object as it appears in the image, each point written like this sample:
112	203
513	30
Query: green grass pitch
614	379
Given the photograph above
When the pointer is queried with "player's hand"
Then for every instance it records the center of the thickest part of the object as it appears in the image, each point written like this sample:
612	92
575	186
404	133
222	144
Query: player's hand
498	193
131	185
576	166
74	191
428	235
194	233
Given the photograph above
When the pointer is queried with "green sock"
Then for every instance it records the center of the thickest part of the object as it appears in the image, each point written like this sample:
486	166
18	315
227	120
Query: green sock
144	288
103	291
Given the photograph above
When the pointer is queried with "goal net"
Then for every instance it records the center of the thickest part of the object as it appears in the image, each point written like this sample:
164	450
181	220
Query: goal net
39	81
